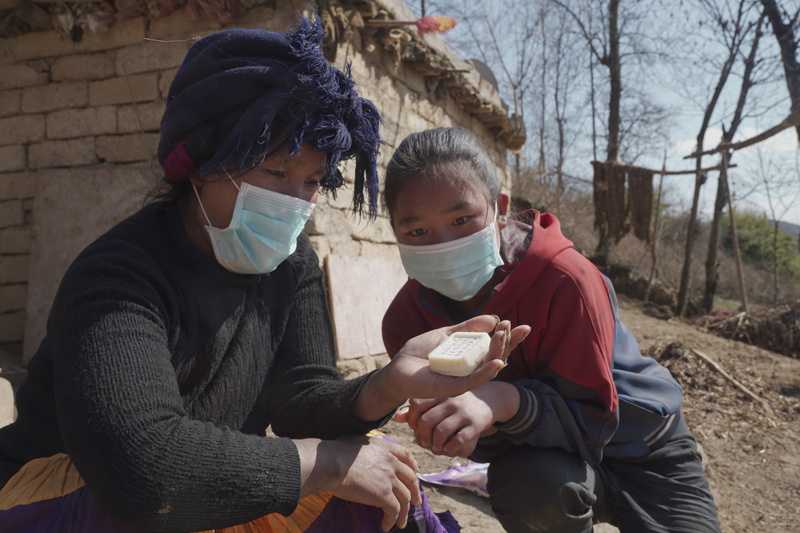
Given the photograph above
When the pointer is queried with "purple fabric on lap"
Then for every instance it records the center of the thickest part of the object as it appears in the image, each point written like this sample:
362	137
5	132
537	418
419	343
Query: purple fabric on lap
77	512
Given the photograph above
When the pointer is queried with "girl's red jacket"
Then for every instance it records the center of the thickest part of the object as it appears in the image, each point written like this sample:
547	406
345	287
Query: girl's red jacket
583	383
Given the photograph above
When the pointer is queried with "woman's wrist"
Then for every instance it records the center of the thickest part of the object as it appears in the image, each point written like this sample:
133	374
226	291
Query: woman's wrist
378	397
320	467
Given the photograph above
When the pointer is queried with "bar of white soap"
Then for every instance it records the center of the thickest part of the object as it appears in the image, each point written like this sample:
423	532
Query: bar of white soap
460	354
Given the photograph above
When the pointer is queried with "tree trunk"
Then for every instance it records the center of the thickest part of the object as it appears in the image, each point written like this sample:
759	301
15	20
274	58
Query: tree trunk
683	291
735	238
712	276
784	33
654	249
775	261
594	110
615	77
542	165
700	179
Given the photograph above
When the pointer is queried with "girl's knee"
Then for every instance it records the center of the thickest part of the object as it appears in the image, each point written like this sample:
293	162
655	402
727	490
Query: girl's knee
542	490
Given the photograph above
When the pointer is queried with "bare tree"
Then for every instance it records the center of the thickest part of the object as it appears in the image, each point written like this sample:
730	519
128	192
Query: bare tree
784	33
507	39
782	194
748	81
731	26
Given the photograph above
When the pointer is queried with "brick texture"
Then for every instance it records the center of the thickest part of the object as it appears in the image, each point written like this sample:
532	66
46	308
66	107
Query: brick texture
179	26
20	185
49	154
21	75
10	102
127	148
72	123
150	56
116	90
83	67
12	325
150	115
15	240
11	214
42	44
21	129
165	81
12	158
55	96
13	297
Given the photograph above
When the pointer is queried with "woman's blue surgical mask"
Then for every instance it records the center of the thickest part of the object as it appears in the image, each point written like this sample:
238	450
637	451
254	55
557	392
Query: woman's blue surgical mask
457	269
263	231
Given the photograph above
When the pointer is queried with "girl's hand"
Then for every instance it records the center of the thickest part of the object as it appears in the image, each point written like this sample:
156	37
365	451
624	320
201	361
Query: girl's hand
368	470
452	426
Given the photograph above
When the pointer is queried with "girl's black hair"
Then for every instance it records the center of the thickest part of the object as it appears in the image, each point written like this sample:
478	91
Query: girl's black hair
442	153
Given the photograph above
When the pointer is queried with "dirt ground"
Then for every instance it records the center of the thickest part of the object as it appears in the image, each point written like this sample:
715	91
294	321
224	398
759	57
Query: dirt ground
753	455
753	452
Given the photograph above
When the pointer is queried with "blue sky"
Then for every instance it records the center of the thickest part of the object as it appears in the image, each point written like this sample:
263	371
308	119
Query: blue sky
779	154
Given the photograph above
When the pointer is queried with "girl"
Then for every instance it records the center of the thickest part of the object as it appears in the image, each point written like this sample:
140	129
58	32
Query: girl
579	428
177	337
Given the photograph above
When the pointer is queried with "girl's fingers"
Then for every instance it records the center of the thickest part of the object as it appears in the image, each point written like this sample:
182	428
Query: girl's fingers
444	431
460	439
430	421
417	408
401	415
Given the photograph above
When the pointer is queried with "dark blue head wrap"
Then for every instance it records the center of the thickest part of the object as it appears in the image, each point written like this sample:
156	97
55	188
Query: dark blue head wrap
269	73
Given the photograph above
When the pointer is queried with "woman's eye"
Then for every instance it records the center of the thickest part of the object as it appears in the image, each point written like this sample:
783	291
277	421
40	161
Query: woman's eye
417	232
460	221
312	184
274	172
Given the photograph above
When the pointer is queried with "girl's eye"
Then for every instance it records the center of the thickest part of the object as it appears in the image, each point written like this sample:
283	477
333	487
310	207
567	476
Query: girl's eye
460	221
274	172
312	184
417	232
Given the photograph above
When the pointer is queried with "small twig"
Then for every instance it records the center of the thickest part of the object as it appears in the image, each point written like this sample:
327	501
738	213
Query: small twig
733	380
189	40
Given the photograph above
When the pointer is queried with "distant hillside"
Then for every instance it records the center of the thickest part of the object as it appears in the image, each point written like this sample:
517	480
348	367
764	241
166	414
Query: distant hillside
788	227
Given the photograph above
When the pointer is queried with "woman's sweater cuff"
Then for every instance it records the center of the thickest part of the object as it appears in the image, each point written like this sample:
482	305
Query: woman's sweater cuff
527	416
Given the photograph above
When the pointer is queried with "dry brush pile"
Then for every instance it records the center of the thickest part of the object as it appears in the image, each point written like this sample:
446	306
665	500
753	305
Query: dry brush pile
776	329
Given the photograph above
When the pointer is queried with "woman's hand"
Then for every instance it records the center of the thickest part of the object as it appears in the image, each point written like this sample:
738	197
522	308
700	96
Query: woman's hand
408	375
452	426
368	470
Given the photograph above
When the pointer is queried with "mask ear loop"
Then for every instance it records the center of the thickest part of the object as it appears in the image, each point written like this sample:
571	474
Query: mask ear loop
201	202
201	205
232	180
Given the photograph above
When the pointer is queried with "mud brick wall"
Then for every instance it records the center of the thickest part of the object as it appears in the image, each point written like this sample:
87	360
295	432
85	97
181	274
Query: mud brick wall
97	104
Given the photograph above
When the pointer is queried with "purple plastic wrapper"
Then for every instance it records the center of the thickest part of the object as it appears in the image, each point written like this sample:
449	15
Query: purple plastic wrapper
470	476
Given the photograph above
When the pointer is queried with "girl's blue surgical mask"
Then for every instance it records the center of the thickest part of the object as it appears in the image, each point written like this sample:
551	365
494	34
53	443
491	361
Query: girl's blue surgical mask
457	269
263	231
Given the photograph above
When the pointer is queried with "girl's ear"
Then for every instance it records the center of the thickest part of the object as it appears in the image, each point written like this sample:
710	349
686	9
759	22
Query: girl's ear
502	204
502	209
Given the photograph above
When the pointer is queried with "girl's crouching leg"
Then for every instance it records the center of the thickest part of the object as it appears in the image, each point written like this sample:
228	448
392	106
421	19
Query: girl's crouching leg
545	490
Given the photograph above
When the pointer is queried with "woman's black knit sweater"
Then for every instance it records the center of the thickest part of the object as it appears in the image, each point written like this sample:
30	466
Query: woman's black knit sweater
161	370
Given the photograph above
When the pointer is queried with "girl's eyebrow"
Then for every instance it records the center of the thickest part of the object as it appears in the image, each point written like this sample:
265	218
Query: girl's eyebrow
461	204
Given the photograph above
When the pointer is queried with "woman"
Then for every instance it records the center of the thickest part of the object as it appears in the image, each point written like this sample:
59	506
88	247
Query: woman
579	428
181	334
